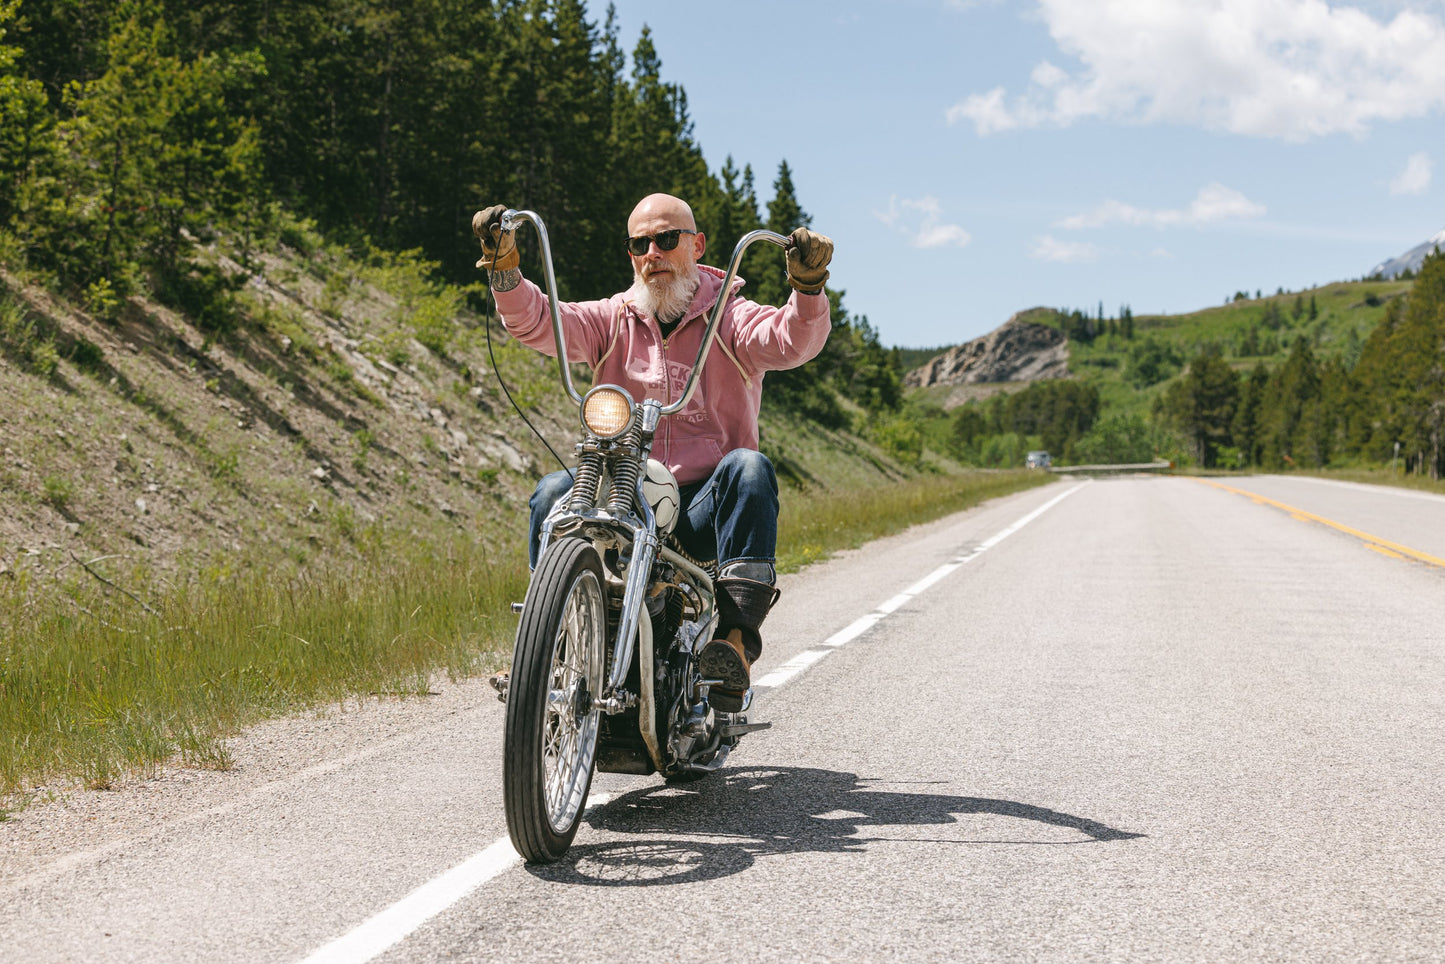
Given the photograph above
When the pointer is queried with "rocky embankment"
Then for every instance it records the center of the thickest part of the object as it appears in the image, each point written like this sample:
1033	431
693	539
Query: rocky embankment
1019	350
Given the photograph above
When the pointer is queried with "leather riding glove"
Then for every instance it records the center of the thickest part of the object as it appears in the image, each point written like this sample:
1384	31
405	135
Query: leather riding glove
808	257
499	248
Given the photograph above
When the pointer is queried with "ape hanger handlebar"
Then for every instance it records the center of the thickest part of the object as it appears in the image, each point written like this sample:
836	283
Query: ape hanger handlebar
513	219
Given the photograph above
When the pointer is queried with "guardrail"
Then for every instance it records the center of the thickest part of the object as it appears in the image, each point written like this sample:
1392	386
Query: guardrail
1100	469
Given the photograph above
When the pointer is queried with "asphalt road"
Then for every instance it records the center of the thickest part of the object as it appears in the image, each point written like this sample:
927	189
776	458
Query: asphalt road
1163	719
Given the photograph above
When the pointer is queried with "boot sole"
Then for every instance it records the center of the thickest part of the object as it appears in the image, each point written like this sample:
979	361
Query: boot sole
721	662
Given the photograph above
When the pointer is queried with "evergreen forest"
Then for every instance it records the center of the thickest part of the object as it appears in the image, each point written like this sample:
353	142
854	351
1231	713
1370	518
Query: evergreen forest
131	130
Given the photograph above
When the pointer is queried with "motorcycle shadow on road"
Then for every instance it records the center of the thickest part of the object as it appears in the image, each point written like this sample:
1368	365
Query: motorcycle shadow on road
720	825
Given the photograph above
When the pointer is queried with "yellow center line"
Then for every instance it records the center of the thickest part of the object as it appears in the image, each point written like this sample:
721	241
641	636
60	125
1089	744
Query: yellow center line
1384	546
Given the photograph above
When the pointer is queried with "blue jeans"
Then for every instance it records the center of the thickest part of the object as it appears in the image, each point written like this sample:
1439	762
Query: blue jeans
731	516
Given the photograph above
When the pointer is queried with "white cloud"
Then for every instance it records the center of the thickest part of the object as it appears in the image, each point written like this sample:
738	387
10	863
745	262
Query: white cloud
989	113
942	236
1415	178
1214	202
922	221
1049	248
1291	69
1048	75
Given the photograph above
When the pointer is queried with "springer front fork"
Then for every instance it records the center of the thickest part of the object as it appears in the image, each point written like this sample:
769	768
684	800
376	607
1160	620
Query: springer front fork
611	506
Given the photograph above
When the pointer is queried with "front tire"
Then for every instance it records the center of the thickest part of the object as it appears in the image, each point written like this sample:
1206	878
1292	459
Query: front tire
552	727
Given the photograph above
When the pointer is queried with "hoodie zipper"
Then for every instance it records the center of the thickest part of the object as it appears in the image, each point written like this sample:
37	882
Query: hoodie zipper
667	391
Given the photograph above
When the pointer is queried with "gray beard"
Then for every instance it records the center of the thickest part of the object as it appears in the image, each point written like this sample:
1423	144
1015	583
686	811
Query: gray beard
666	303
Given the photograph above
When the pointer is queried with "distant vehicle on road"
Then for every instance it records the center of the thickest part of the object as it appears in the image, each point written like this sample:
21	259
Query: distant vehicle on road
1038	460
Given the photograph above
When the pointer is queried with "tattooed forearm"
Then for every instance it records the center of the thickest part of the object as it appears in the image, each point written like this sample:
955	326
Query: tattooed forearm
506	280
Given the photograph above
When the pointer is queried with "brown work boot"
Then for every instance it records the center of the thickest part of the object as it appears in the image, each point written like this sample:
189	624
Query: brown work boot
726	659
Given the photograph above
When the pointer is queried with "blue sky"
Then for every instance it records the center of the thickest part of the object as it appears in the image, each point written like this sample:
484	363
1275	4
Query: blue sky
971	158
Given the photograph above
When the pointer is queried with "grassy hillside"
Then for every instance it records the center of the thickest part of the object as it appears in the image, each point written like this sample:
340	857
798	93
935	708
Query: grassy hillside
1249	332
1131	370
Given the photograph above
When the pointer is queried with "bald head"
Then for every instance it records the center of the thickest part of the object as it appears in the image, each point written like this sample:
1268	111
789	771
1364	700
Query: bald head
661	209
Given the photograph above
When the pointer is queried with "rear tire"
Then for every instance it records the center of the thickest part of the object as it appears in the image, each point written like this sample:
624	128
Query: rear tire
557	670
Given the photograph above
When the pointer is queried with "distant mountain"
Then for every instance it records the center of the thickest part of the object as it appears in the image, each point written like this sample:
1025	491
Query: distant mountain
1410	260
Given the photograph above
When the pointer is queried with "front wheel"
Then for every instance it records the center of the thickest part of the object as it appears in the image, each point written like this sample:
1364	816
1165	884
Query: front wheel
557	670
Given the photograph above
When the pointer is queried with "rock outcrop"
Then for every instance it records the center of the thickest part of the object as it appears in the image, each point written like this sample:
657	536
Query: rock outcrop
1017	351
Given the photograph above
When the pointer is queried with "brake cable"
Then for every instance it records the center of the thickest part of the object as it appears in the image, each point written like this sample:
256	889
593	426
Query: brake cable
492	312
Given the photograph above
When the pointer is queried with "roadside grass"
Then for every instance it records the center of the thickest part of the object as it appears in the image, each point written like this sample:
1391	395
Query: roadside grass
95	689
1383	476
1365	475
118	688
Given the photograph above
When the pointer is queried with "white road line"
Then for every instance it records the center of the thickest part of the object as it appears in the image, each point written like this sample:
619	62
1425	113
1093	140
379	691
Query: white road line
1000	537
402	918
895	602
418	907
889	606
926	583
853	630
791	668
408	914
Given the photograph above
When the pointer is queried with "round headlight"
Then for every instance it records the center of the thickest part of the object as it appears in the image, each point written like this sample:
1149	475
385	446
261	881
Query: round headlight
607	411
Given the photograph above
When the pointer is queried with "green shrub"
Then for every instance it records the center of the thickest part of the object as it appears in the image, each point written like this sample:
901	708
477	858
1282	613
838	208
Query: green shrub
1150	362
225	466
1003	451
57	491
204	294
86	355
1116	440
25	339
900	438
103	300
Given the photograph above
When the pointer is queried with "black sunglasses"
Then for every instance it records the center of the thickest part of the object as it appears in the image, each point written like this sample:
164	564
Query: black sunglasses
666	241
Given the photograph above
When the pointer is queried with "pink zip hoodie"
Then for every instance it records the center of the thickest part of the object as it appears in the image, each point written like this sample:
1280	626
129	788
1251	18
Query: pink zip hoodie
623	347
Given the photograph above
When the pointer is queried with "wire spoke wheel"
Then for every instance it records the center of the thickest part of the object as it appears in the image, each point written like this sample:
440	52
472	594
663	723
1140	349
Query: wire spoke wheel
552	727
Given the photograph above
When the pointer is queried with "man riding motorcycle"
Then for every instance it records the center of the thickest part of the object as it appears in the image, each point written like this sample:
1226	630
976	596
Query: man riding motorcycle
644	339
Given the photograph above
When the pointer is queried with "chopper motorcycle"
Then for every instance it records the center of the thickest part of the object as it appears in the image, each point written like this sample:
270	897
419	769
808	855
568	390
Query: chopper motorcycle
604	672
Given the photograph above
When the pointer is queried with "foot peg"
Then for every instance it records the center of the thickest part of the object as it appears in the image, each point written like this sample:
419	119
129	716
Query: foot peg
738	729
705	689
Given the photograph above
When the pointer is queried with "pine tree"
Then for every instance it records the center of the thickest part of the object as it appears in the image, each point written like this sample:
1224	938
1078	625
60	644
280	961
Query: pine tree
737	216
1399	383
765	269
151	149
650	127
1293	389
25	122
1203	404
1245	428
